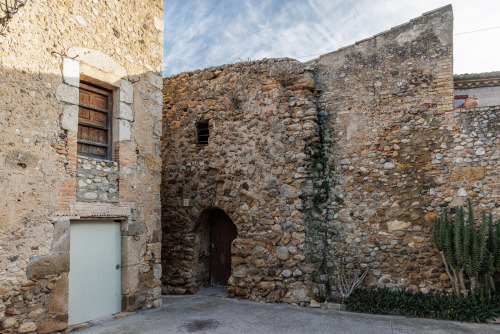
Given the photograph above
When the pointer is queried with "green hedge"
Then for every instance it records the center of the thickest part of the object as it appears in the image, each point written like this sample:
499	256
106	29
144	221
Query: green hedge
417	304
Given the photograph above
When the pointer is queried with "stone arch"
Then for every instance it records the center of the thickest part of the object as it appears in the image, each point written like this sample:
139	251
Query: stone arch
214	234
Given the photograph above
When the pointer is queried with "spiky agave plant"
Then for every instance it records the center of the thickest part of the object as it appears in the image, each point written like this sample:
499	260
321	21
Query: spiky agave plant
467	251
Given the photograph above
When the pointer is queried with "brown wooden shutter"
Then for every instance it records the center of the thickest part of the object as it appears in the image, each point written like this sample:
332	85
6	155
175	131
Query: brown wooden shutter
94	122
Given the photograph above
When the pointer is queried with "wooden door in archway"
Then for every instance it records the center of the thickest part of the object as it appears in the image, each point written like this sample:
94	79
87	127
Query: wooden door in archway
222	234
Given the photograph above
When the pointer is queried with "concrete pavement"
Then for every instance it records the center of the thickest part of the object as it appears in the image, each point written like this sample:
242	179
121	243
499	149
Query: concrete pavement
208	313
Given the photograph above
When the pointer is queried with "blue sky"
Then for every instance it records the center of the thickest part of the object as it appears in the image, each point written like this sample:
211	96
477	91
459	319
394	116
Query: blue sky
203	33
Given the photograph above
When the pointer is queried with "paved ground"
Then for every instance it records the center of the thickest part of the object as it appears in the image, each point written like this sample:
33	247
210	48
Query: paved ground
205	313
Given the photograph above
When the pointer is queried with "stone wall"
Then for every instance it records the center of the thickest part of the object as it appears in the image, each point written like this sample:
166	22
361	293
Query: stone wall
97	180
399	153
256	168
47	48
352	155
387	99
474	158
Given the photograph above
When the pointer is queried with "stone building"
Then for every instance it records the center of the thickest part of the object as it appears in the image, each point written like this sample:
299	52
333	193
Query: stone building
484	88
273	170
80	116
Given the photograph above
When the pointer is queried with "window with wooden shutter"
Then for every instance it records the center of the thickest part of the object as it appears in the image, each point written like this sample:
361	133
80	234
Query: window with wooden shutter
94	122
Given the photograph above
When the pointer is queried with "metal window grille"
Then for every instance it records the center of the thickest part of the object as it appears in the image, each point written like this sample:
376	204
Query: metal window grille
202	133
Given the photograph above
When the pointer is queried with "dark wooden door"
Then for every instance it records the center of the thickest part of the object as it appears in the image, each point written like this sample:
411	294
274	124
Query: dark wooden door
222	234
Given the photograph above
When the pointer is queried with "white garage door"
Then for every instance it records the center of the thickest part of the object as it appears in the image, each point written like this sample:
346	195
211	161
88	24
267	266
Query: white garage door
95	271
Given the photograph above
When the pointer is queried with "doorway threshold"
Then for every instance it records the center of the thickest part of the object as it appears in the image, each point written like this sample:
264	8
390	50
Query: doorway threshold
215	291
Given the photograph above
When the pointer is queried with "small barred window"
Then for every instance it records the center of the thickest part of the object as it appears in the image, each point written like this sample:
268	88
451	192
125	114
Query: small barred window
202	133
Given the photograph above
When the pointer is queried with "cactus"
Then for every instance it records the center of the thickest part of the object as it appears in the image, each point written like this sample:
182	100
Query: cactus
467	251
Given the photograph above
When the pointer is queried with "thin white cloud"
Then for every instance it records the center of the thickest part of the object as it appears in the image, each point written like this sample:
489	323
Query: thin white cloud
203	33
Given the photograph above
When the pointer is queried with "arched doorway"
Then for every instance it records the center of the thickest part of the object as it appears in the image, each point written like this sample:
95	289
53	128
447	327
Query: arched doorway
222	234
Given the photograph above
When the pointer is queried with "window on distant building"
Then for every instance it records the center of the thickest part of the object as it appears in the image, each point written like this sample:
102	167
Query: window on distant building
202	133
94	121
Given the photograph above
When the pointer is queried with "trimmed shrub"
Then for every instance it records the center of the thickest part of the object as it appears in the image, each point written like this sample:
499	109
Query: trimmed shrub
417	304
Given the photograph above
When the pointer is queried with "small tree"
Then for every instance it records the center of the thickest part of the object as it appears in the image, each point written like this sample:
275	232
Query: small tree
348	279
468	252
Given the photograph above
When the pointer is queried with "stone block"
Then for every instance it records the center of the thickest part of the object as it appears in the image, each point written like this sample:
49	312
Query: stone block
27	327
207	75
397	225
157	128
136	228
159	25
157	236
430	216
158	97
287	191
44	266
90	196
418	239
389	165
240	272
99	60
36	313
238	260
282	253
155	111
314	304
71	71
53	324
9	322
153	162
132	302
154	250
259	263
462	192
307	84
155	80
125	112
69	118
67	93
123	314
157	303
133	250
298	238
296	296
121	130
156	292
130	279
468	174
316	291
60	293
61	237
157	272
126	91
77	327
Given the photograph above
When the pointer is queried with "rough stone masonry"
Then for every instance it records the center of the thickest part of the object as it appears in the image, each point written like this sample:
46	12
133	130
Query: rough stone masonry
350	155
48	48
